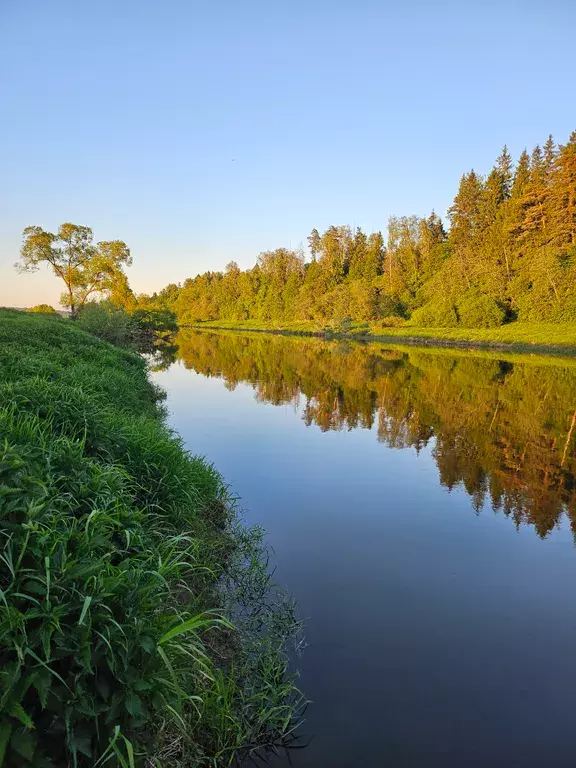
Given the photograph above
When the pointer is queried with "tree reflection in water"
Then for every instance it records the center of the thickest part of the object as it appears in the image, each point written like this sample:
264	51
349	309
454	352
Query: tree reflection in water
502	426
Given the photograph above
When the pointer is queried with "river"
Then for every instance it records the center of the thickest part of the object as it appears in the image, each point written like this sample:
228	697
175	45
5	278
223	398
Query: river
421	505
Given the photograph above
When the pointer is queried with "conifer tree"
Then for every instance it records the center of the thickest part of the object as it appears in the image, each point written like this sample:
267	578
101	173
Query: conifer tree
466	217
562	199
550	152
358	255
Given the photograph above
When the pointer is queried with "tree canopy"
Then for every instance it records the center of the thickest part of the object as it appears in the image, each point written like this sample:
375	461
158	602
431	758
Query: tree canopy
87	269
42	308
509	253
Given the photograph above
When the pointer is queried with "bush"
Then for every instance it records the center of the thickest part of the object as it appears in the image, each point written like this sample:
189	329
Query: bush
477	310
388	306
42	308
344	325
139	329
155	322
548	309
391	322
436	314
109	322
563	311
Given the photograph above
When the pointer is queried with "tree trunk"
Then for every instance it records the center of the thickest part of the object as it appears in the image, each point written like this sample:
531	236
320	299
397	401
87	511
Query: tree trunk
553	286
507	265
73	310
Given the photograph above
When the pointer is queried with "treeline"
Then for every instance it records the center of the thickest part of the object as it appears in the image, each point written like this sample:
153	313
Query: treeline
509	253
502	430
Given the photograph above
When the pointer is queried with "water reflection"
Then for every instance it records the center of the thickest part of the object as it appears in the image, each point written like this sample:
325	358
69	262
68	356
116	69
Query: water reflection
503	427
160	353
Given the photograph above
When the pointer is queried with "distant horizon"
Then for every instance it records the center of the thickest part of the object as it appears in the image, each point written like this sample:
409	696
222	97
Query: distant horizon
204	135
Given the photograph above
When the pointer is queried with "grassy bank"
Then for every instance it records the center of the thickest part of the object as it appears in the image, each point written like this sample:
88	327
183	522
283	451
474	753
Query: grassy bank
138	624
521	336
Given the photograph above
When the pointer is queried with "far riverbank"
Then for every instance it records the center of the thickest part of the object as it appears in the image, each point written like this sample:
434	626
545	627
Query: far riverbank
550	338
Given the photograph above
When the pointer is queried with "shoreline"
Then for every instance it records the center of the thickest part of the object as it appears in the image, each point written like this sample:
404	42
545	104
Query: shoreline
412	339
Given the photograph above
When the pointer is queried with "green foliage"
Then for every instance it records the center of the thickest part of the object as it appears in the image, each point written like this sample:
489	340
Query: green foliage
155	322
563	312
86	269
42	308
511	241
476	310
120	566
435	314
527	336
391	322
389	307
344	325
146	330
108	322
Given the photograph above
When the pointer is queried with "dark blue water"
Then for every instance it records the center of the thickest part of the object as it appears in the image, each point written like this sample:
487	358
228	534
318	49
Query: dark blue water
441	632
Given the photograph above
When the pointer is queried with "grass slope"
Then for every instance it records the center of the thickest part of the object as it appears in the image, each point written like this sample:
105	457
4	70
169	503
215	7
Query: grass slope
138	625
545	336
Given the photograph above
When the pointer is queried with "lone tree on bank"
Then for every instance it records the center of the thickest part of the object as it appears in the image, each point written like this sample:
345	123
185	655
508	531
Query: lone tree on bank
85	268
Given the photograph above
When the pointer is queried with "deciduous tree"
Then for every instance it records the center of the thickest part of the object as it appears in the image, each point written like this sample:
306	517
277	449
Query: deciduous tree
87	269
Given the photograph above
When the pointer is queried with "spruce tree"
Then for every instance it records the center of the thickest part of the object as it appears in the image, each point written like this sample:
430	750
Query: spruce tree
562	198
358	255
465	217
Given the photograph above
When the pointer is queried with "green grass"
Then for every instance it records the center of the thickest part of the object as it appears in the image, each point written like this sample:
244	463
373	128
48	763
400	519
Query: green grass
538	335
138	623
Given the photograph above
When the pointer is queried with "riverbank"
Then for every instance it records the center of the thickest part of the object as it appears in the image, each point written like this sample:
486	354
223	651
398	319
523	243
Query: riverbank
518	337
139	622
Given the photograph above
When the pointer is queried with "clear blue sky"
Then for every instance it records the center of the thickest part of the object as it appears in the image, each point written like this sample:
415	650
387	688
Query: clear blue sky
200	132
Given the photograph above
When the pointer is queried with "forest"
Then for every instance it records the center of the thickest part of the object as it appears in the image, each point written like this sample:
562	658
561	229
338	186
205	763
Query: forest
507	252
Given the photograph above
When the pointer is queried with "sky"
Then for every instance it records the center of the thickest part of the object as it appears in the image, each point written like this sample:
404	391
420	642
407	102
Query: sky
201	132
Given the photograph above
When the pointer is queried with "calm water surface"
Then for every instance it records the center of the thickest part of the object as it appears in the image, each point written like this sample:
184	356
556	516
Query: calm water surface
421	505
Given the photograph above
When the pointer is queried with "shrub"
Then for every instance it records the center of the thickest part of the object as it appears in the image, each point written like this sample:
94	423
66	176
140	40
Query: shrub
155	322
109	322
477	310
564	311
42	308
549	309
436	314
132	330
391	322
388	306
344	325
